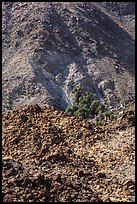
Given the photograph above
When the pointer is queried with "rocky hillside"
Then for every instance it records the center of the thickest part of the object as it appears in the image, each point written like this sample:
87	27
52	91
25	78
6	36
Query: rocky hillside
48	155
48	48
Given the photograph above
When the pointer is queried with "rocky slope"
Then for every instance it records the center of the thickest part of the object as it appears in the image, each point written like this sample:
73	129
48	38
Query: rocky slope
48	48
48	155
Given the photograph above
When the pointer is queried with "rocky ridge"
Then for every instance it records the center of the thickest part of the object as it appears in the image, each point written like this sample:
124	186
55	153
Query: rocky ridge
48	155
49	48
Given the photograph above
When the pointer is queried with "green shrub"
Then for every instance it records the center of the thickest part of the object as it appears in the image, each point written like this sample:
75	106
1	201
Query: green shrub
80	98
97	119
89	106
77	94
89	97
101	115
84	100
101	107
93	105
100	122
84	112
107	114
113	116
75	107
70	110
85	106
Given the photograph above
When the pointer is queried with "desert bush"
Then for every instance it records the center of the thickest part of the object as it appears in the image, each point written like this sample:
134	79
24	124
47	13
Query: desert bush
88	106
77	94
101	107
100	122
70	110
84	112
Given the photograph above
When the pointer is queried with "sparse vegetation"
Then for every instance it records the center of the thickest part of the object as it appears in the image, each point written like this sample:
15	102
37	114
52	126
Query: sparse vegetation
88	106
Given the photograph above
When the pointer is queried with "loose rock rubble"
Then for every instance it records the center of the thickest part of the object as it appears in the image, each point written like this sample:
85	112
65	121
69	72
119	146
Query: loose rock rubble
52	156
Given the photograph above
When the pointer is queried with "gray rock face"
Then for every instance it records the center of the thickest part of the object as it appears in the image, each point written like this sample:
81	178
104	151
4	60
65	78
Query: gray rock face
50	48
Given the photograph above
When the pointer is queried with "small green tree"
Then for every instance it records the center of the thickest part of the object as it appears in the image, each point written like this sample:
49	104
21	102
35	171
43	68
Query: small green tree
77	94
89	106
84	112
100	122
70	110
101	115
93	105
101	107
113	116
